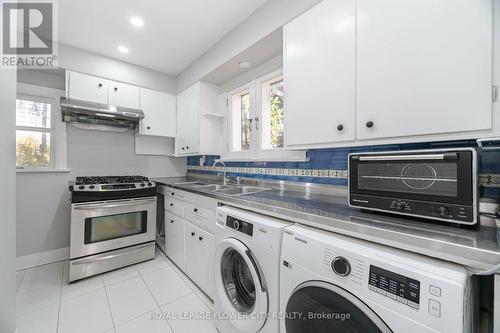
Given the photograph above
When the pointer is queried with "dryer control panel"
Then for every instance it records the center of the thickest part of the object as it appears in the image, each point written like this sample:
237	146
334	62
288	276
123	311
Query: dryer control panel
239	225
398	287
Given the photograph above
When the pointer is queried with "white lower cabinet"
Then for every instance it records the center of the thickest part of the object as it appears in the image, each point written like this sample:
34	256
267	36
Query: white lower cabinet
174	239
199	257
190	243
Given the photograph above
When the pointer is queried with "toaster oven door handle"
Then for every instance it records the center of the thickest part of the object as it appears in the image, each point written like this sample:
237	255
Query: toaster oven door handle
419	157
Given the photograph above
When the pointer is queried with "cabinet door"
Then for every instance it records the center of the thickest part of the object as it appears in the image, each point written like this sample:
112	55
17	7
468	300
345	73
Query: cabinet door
192	267
199	258
125	95
319	75
174	239
159	113
423	67
87	88
188	121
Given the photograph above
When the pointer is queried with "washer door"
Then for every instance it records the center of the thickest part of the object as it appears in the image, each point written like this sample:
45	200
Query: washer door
240	292
317	306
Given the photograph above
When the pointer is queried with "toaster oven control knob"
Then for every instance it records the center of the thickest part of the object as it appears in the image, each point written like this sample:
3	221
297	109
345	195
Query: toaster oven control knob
443	211
400	206
341	266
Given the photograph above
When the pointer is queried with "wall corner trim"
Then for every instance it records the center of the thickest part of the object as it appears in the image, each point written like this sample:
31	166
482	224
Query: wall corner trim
42	258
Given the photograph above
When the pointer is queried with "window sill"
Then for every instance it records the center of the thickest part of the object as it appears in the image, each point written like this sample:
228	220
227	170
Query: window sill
43	171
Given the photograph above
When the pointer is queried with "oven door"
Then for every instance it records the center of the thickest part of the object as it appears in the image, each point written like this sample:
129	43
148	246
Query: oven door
103	226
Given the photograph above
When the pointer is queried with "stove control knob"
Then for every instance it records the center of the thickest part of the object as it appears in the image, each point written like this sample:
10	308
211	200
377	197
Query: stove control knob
149	184
81	187
443	211
142	185
341	266
91	187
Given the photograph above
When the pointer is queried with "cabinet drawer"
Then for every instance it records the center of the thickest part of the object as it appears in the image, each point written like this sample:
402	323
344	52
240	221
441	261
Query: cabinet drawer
175	207
201	217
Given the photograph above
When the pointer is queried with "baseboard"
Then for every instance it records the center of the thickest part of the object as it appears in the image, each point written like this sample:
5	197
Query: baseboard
42	258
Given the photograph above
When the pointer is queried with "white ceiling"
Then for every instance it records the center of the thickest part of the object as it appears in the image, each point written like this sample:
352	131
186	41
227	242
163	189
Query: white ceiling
175	32
267	48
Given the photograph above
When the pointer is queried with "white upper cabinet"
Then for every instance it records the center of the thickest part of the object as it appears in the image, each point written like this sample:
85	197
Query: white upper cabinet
125	95
86	87
319	75
186	141
198	132
159	110
423	67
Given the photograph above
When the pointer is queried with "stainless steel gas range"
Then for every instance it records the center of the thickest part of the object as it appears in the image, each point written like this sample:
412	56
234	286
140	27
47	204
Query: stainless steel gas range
113	223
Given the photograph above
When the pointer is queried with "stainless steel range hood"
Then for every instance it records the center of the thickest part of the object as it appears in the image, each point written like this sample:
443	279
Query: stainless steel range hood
99	116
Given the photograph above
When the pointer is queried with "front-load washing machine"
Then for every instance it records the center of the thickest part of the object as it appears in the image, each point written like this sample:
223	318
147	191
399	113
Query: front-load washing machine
333	283
246	271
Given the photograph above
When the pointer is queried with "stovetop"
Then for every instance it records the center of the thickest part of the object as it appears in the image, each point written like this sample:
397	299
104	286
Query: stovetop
93	180
95	188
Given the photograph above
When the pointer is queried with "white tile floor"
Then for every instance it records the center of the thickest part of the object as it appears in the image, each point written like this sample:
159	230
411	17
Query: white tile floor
121	301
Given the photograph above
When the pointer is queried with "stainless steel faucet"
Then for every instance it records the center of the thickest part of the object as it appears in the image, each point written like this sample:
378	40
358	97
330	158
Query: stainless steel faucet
223	170
227	179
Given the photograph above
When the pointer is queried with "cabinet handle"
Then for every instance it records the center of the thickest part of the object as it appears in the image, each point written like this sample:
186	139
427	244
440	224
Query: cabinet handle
340	127
200	238
99	85
116	89
171	221
187	147
171	205
369	124
149	127
173	193
195	210
183	148
192	234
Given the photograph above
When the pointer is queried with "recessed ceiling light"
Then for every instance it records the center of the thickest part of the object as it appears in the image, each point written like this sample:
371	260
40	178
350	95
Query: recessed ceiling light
123	49
136	21
245	64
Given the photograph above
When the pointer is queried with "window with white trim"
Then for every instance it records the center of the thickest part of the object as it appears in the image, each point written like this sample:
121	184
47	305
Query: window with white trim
34	133
40	131
256	121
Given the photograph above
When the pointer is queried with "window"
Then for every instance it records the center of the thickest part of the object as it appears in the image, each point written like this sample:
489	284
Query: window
256	121
34	133
40	131
272	113
241	121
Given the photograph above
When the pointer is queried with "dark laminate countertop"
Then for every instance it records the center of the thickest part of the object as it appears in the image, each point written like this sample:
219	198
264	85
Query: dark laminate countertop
476	248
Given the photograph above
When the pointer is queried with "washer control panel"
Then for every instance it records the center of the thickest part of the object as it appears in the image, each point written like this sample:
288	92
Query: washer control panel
398	287
239	225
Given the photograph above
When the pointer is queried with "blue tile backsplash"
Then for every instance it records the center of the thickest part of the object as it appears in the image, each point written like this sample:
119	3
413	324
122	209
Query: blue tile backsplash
329	166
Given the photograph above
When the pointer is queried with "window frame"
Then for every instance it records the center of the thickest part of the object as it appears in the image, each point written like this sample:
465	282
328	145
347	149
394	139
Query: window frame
50	130
57	130
256	151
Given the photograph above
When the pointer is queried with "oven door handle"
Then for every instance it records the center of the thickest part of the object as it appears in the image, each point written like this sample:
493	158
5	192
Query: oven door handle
112	256
114	205
419	157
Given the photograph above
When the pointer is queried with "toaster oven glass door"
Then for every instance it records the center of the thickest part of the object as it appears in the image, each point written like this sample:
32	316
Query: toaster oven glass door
440	177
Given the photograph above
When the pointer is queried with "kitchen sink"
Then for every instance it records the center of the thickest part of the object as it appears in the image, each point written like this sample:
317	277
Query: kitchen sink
242	190
211	187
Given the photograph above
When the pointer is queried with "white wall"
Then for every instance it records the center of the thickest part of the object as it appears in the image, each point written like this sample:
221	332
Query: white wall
7	202
262	22
72	58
